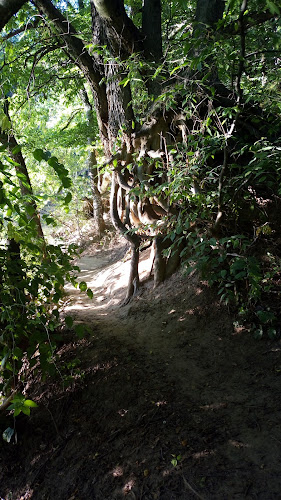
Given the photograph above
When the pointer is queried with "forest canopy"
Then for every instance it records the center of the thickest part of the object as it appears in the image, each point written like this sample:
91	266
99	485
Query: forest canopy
172	106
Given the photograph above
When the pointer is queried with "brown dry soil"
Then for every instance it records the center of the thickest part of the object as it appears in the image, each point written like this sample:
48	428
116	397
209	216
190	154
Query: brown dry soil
167	400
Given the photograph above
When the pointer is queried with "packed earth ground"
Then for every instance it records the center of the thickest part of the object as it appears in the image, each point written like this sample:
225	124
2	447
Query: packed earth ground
166	398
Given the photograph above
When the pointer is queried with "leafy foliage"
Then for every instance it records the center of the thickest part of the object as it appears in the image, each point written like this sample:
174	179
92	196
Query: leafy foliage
33	275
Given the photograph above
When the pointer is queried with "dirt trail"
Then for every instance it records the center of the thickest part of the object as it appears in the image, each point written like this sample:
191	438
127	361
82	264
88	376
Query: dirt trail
169	401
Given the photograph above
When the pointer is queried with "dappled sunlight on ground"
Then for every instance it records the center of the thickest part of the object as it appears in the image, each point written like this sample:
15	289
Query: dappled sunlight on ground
160	401
107	279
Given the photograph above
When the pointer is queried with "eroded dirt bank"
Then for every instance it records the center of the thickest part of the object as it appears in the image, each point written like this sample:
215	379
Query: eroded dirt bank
168	400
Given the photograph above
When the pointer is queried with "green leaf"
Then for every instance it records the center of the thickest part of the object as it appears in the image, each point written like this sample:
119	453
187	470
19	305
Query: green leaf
12	162
66	182
240	275
30	403
80	331
83	286
272	333
18	398
68	198
174	70
25	410
38	154
237	266
49	220
21	176
258	333
90	293
5	123
57	297
265	316
274	9
53	162
68	321
4	360
125	82
16	149
29	209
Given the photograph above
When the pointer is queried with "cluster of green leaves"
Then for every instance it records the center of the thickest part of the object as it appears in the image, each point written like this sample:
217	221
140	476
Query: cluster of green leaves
19	404
193	180
233	262
59	124
44	92
240	278
32	278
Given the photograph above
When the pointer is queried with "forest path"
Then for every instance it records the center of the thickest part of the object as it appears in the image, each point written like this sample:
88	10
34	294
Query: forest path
163	399
180	360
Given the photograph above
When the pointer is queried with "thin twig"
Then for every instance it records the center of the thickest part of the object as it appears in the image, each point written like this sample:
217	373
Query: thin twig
241	67
189	487
220	199
53	420
7	401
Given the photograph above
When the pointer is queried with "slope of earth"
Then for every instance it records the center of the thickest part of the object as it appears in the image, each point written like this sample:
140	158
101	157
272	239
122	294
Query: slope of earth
166	399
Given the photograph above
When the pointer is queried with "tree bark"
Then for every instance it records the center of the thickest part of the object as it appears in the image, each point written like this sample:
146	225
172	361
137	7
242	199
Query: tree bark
123	36
120	110
119	98
8	8
151	28
152	31
23	177
92	166
131	237
208	12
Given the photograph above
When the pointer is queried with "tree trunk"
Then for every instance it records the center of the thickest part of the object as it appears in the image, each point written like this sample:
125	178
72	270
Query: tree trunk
131	237
123	36
208	12
8	8
92	166
153	52
97	200
23	177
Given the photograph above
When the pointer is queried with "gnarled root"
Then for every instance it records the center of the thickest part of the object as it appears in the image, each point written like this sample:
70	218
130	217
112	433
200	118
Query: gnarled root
159	261
134	281
163	267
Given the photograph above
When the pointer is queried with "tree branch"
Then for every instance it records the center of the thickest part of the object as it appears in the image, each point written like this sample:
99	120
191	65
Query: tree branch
28	26
241	25
250	20
72	116
76	49
39	54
